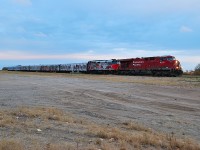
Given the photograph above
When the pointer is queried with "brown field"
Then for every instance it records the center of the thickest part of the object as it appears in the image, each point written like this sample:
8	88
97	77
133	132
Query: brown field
50	111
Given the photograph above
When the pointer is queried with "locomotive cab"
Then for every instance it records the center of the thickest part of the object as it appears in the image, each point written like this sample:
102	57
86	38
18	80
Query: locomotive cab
172	64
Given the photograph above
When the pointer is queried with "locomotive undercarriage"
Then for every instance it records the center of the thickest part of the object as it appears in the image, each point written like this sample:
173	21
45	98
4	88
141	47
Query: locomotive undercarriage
102	72
153	72
160	72
167	72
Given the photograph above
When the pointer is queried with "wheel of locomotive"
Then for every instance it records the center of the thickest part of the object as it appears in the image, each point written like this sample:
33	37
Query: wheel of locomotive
153	73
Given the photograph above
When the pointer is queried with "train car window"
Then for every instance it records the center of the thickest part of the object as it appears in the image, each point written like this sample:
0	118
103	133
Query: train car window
114	62
152	58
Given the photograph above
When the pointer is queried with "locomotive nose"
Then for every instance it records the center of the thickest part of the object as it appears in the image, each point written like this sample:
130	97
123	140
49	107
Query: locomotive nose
177	65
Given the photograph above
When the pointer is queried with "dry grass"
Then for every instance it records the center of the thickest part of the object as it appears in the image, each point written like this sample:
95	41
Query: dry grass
141	137
135	126
27	117
11	145
60	146
6	119
124	136
184	81
12	117
16	145
42	112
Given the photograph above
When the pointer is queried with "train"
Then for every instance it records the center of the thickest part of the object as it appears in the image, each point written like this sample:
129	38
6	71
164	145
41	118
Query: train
155	66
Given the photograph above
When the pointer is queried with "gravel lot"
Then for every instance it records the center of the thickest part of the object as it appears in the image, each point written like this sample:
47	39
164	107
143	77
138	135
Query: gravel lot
169	105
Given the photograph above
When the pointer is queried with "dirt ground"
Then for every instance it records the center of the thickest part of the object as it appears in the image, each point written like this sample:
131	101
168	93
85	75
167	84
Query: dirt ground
166	105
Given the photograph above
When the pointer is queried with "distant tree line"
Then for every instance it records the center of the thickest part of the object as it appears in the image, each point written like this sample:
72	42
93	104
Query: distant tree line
197	70
4	68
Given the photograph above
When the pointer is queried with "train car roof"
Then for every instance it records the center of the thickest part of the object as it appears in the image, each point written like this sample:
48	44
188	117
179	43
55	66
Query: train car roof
129	59
102	60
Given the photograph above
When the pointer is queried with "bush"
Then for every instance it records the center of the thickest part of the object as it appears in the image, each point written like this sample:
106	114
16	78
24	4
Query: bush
4	68
197	70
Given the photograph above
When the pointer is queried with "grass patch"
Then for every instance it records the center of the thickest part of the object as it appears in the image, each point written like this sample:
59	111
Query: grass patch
59	146
27	116
135	126
11	145
87	135
141	137
42	112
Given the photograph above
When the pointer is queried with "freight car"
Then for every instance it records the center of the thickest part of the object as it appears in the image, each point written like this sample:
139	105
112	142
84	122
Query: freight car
156	66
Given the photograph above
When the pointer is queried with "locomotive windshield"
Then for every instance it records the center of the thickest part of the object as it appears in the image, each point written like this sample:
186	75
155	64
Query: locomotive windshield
167	58
171	58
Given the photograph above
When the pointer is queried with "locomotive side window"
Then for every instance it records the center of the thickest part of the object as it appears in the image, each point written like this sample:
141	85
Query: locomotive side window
152	58
163	58
109	63
114	62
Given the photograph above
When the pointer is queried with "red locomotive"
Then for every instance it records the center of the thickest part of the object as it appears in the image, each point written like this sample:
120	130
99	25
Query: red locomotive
157	66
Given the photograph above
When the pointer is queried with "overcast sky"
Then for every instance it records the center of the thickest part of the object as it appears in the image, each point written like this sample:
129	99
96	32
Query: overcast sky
53	32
